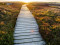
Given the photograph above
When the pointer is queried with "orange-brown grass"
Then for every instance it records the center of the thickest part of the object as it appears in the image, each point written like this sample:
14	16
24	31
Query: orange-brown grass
48	19
8	16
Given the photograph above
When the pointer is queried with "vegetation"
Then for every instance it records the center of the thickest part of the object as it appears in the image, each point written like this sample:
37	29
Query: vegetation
8	16
48	19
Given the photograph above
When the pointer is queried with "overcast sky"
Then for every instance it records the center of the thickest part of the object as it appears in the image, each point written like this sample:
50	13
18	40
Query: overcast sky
34	0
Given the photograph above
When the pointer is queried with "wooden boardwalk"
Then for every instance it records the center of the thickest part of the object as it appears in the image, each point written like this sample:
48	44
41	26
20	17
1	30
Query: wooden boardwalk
26	29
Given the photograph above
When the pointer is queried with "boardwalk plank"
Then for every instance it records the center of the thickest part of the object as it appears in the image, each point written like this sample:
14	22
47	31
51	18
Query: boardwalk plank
26	29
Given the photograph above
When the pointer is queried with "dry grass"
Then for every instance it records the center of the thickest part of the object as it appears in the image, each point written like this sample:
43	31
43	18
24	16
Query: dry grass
8	16
48	19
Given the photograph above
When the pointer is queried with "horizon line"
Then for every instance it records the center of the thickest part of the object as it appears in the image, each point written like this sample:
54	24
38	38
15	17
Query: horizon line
30	1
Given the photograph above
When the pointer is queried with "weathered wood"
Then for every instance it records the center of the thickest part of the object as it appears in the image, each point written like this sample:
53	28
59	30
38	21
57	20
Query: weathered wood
26	29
